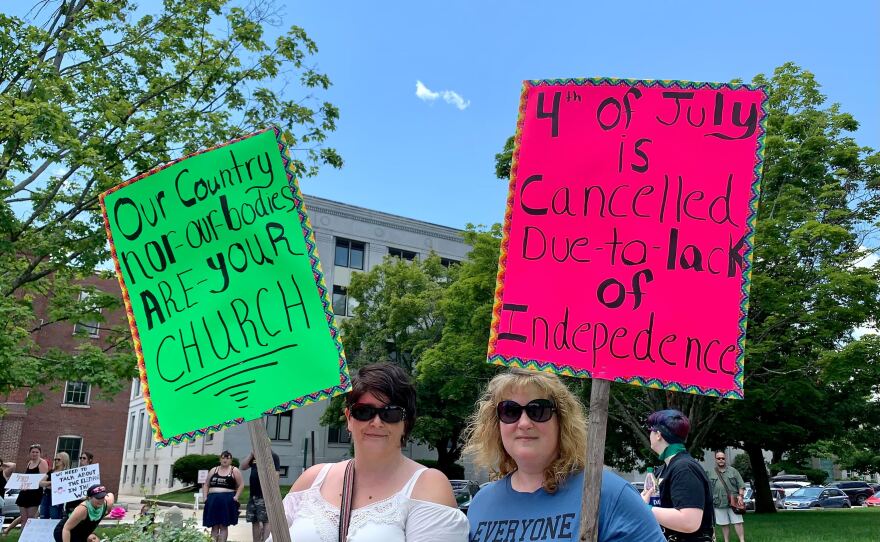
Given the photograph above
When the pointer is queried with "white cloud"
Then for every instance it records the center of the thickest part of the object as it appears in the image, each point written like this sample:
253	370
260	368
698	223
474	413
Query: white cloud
449	96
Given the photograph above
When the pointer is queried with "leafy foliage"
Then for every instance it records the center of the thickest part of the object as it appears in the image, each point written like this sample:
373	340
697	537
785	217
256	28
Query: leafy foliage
91	93
145	530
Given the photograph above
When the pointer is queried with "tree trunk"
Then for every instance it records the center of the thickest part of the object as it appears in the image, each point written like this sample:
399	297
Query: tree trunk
764	503
445	458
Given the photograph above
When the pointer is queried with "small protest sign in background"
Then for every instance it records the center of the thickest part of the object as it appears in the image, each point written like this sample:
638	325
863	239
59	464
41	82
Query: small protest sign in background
226	299
203	476
71	484
23	482
627	240
38	530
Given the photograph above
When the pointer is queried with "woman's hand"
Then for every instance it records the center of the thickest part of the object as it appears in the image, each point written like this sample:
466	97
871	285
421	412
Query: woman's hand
646	495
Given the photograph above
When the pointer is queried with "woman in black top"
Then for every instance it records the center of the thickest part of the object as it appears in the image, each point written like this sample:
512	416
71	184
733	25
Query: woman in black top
80	525
221	493
29	500
6	470
685	512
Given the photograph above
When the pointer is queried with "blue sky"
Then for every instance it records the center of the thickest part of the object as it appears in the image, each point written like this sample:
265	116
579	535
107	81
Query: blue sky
432	161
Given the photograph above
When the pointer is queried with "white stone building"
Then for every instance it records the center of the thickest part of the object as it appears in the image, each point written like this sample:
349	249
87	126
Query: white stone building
350	239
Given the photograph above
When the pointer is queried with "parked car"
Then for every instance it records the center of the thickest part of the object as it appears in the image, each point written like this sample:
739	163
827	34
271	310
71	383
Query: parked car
788	487
874	500
10	509
817	497
464	491
777	494
875	486
790	478
858	492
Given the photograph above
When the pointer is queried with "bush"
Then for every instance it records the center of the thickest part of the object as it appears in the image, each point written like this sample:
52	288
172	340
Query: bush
186	469
144	530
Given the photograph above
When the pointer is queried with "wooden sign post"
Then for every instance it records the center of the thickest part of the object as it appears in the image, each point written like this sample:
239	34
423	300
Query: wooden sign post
627	242
262	447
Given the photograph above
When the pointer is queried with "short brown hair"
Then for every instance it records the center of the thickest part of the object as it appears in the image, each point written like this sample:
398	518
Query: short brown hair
390	383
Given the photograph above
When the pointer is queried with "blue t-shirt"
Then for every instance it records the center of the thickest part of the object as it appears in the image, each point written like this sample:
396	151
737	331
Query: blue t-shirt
499	514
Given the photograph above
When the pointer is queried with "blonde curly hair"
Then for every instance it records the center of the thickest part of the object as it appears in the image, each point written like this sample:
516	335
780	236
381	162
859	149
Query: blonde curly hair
483	435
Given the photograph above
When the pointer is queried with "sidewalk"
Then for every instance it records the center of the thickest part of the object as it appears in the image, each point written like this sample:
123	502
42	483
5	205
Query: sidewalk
237	533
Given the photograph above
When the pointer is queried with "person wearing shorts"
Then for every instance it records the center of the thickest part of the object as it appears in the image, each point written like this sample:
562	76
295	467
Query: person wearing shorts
255	513
732	485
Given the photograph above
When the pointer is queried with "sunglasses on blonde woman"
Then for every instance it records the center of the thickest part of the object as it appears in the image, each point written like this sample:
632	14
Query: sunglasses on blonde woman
538	410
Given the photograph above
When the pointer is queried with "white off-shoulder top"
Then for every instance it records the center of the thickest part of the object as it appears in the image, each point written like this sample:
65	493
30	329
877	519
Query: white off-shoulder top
399	518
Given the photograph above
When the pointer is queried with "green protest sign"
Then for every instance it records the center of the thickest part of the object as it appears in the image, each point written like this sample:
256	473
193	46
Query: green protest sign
229	312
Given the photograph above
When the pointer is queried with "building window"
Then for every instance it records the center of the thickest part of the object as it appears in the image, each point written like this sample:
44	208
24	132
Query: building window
76	393
447	263
349	253
90	327
282	472
338	435
155	474
73	446
124	475
144	476
402	254
140	431
131	433
209	437
278	425
340	300
136	386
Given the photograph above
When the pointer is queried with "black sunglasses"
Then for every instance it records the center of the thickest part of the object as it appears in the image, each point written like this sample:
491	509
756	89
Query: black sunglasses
538	410
388	414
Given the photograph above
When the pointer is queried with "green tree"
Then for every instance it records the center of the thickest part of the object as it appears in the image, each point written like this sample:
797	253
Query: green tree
93	92
743	464
819	210
435	323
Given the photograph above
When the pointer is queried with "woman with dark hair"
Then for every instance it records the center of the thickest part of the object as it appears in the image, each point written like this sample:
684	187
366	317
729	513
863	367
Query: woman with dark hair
6	470
86	458
221	493
390	497
80	525
29	500
530	432
685	510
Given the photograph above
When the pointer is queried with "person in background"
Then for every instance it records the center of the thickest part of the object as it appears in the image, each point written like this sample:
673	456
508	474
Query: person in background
256	513
393	498
86	458
6	470
685	510
530	431
47	510
221	493
81	523
28	501
727	481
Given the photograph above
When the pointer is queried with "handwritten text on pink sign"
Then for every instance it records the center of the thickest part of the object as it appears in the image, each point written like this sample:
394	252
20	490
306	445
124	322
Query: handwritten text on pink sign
627	243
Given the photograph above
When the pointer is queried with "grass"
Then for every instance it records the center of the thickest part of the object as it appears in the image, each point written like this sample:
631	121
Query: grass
185	496
853	525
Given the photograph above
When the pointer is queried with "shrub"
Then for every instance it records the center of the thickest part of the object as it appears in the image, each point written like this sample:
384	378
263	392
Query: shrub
144	530
186	469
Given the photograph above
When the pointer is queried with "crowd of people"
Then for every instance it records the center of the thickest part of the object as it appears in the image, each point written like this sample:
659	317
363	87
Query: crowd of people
528	430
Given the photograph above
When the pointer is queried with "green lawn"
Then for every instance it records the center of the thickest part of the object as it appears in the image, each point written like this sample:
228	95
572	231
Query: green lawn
185	496
854	525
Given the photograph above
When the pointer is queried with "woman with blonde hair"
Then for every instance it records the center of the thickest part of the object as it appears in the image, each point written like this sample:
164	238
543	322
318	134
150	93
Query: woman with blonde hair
530	432
60	462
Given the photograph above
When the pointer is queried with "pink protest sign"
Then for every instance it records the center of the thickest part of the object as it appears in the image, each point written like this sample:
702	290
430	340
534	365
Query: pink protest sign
628	234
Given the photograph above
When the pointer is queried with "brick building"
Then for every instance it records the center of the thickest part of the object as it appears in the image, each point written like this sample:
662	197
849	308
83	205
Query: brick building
71	418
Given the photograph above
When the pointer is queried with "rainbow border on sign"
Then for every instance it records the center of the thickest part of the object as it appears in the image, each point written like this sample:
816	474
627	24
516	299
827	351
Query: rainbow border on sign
655	383
317	272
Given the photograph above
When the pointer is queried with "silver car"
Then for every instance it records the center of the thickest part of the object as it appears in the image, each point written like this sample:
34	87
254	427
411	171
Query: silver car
10	509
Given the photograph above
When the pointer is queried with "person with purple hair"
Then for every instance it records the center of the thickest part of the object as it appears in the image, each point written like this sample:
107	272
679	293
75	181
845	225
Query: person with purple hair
685	512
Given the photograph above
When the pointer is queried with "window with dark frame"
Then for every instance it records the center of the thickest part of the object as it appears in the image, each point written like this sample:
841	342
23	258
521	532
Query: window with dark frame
349	253
447	262
282	472
338	435
340	300
278	425
76	393
402	254
73	446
